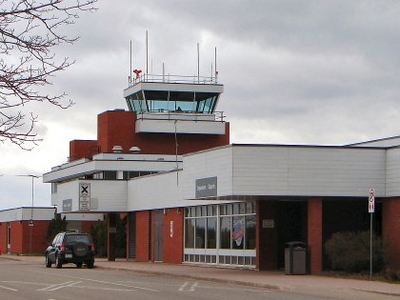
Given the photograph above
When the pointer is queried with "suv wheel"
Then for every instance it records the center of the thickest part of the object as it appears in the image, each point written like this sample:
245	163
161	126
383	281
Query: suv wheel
47	261
58	262
90	263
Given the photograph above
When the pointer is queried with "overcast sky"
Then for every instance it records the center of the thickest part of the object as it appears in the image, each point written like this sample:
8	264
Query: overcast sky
294	72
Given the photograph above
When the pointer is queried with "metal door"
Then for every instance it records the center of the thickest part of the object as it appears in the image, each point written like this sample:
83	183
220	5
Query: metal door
158	235
132	235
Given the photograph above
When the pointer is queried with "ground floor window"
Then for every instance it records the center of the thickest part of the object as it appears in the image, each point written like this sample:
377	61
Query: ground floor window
221	234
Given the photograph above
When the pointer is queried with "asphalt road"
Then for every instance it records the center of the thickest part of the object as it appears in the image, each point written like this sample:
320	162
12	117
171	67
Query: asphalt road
33	281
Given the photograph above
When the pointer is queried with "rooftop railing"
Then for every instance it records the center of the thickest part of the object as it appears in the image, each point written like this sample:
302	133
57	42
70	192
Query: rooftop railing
193	79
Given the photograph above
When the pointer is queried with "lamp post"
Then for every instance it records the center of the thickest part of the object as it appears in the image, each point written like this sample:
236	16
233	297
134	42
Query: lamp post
33	177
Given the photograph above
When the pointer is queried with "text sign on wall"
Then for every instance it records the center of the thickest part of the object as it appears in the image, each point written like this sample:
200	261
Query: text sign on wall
84	196
206	187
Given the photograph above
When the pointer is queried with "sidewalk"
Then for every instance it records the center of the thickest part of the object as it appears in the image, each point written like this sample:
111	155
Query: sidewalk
276	280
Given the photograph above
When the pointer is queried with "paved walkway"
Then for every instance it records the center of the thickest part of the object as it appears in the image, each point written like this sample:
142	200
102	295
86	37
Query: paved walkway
265	279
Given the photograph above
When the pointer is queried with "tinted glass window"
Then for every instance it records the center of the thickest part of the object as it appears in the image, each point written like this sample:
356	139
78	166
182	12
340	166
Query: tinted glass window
76	238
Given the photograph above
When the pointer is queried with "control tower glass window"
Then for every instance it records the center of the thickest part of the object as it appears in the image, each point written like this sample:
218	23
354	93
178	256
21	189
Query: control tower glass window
147	101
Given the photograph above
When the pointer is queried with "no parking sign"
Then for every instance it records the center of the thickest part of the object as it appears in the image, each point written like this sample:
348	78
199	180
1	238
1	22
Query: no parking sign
371	201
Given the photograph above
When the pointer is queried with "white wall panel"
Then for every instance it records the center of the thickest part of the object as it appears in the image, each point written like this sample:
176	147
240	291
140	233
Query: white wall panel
308	171
393	172
150	192
158	192
205	164
110	195
180	126
25	213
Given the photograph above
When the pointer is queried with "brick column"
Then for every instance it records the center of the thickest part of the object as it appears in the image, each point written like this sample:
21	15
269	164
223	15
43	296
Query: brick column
391	232
315	234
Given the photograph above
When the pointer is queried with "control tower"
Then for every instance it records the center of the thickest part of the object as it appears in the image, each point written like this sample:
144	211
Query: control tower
161	101
171	107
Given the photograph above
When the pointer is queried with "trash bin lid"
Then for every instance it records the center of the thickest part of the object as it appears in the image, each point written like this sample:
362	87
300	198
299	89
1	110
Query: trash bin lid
296	244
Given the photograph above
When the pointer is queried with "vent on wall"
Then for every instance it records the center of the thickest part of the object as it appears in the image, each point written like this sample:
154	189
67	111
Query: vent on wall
134	149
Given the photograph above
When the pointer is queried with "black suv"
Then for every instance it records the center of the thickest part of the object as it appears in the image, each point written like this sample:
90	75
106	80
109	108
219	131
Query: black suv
70	247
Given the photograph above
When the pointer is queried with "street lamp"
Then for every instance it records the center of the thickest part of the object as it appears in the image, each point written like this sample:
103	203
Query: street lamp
33	177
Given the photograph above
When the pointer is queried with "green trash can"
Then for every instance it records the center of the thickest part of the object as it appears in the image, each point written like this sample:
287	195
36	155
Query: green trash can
296	258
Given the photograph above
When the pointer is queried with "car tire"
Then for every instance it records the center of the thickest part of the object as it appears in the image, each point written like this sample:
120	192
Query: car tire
90	264
47	261
58	262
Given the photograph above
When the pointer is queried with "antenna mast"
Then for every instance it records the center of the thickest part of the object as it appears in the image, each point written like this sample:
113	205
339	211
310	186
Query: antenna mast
215	65
130	61
147	52
198	63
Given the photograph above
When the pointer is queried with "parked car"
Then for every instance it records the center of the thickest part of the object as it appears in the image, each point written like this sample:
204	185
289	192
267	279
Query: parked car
70	247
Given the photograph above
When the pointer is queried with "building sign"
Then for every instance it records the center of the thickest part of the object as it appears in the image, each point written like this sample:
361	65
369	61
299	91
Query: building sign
268	223
206	187
67	205
84	196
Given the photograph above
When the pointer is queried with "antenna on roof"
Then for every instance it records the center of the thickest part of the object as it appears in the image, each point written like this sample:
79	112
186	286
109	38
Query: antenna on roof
130	61
198	63
147	52
215	64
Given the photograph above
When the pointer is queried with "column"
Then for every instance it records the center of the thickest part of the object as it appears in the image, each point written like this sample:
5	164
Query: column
315	234
391	231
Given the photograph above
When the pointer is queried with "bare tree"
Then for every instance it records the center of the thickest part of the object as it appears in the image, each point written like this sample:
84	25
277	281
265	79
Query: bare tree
29	32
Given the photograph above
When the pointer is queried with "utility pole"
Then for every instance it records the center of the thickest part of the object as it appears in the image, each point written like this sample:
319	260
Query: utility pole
33	177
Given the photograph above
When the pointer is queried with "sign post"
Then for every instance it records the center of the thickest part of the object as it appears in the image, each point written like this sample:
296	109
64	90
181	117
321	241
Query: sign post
371	210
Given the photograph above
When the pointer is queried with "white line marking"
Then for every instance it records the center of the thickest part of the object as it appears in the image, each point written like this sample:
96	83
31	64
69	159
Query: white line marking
193	287
182	288
7	288
55	287
63	286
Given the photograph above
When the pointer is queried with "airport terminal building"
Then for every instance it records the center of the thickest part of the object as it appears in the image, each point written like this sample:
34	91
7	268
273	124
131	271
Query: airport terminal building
192	197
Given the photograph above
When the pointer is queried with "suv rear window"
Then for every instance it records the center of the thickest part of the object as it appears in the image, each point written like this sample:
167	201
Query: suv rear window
76	238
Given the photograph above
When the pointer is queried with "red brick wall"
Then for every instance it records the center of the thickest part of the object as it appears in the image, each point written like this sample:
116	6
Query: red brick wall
86	226
118	128
16	237
142	236
173	245
21	236
267	241
39	231
82	149
3	237
315	234
391	232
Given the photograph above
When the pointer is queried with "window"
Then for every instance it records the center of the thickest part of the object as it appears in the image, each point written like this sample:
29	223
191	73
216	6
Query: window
200	233
189	233
211	233
238	229
250	232
225	232
229	227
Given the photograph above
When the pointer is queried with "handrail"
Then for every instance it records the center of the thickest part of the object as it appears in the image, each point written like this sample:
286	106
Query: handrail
170	115
193	79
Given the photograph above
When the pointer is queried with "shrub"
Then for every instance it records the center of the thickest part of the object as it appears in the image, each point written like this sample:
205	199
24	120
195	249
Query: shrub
350	251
